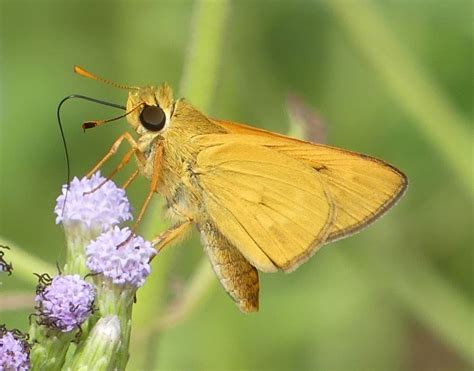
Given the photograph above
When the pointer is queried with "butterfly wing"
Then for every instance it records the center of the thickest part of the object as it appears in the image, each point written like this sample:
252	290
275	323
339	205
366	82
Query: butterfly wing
273	208
362	188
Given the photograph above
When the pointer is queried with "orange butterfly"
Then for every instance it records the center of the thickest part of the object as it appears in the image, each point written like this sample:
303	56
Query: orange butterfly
260	200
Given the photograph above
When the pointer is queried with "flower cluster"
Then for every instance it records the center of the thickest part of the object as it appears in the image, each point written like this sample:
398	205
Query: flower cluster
14	350
120	256
90	210
64	302
92	202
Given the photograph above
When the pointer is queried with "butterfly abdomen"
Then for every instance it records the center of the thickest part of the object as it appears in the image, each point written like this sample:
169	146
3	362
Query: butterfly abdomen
236	274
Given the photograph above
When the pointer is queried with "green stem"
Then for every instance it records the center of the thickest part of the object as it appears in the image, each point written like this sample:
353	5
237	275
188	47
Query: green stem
117	300
414	90
113	301
207	31
50	348
100	349
77	238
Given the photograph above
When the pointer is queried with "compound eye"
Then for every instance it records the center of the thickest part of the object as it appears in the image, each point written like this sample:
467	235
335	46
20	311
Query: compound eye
153	118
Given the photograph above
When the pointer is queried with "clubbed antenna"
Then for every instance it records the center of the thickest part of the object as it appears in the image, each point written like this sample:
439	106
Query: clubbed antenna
81	71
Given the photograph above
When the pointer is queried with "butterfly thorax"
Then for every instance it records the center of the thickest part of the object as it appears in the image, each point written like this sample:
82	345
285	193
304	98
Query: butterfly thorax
177	179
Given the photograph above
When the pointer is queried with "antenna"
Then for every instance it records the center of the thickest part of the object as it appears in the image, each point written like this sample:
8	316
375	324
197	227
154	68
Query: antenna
81	71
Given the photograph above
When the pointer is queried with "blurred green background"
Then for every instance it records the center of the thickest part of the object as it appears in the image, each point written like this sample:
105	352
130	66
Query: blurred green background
389	78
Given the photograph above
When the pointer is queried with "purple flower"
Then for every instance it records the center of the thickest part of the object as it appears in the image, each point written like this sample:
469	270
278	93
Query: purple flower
119	257
64	302
14	351
104	207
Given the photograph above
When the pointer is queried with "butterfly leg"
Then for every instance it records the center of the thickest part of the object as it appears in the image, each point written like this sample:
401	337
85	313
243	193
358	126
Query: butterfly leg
130	179
171	235
124	161
153	186
238	277
113	150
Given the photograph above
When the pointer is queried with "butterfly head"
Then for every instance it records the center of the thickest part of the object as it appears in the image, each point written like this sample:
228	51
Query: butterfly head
150	108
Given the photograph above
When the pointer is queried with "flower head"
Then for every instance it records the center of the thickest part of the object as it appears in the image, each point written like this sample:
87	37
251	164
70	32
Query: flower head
14	350
92	202
120	257
64	302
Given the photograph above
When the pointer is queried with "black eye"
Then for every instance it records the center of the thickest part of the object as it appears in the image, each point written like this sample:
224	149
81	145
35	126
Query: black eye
153	118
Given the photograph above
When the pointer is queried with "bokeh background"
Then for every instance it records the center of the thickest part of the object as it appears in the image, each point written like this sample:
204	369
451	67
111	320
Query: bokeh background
388	78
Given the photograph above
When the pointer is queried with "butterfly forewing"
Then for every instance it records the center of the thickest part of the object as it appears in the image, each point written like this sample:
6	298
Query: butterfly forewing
362	187
273	208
